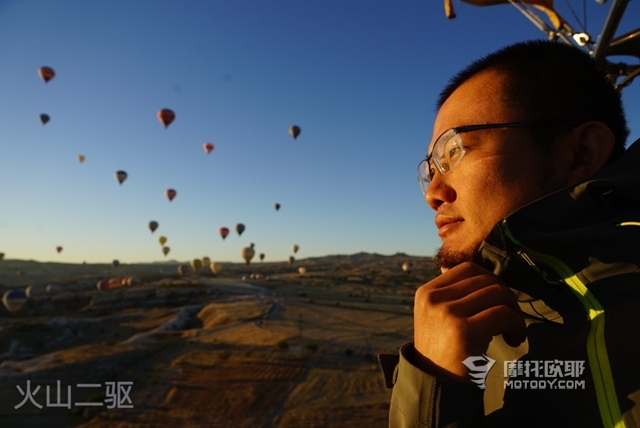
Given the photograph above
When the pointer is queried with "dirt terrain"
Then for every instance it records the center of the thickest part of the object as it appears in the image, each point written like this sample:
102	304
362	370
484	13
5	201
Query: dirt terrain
255	346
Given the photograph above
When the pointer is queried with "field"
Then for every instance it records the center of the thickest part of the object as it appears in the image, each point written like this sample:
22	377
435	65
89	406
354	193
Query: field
275	349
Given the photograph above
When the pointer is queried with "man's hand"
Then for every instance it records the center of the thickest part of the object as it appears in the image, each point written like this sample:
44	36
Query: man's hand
457	314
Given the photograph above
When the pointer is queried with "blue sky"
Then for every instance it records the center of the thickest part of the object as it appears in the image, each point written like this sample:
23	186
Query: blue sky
360	78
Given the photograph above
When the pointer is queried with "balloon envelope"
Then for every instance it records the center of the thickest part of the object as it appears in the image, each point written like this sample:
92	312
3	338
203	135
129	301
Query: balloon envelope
46	73
44	118
162	240
153	225
294	248
247	254
165	250
115	263
166	116
216	268
58	249
290	260
206	261
35	290
120	176
239	228
208	147
294	131
1	256
196	264
261	256
81	158
302	270
14	300
223	231
53	288
407	266
276	206
170	194
183	269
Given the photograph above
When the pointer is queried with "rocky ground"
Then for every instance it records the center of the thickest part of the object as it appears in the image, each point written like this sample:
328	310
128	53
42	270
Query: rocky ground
277	349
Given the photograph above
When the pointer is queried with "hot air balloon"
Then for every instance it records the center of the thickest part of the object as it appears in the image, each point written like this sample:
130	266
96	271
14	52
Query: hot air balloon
223	231
46	73
115	263
81	158
153	225
35	290
196	264
103	285
294	248
407	267
239	228
247	254
206	261
290	260
276	206
114	283
294	131
1	256
44	118
302	270
14	300
208	147
53	288
166	116
170	194
261	256
58	249
162	240
216	268
120	176
165	250
183	269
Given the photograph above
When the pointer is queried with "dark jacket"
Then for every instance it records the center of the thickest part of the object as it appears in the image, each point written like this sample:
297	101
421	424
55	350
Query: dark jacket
572	259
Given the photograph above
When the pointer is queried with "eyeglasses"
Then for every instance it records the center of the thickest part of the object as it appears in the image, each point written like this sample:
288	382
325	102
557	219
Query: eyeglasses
448	149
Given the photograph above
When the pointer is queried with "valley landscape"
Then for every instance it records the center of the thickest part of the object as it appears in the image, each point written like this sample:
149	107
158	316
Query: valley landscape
258	345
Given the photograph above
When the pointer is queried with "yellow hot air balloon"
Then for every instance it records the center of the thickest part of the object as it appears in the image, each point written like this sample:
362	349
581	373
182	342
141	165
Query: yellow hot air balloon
247	254
216	268
302	270
81	158
162	240
196	264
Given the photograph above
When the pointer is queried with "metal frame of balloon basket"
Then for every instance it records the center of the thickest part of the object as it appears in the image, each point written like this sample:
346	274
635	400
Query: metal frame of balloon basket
621	74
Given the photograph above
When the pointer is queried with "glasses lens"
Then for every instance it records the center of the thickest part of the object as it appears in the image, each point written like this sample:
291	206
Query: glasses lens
424	177
448	151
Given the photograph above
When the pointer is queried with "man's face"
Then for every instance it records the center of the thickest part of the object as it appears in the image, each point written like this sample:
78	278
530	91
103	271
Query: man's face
501	171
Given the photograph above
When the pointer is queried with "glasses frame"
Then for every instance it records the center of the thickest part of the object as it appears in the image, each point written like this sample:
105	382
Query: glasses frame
424	183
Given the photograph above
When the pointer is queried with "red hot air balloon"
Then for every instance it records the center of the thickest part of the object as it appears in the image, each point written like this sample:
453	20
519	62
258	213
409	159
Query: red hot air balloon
208	147
46	73
170	194
166	116
223	231
58	249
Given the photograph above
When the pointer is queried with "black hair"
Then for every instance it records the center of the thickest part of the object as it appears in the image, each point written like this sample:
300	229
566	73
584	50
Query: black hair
550	81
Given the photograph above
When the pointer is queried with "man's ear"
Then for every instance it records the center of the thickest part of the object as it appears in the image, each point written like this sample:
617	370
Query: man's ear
591	144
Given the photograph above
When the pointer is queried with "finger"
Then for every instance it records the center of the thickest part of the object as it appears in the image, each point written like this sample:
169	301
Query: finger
498	320
484	298
463	288
458	273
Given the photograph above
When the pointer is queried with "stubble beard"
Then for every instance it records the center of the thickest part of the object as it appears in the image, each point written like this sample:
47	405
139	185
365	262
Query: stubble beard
447	259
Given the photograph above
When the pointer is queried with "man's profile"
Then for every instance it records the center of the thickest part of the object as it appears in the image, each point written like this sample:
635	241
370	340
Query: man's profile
537	206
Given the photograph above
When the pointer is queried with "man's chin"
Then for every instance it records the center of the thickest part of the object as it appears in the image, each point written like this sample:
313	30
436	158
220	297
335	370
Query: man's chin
446	259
